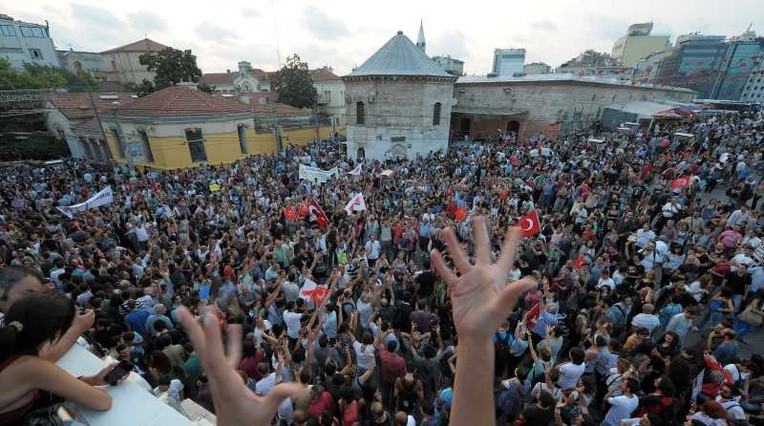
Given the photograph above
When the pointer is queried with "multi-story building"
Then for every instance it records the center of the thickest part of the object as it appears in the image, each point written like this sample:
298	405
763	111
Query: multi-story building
744	56
694	62
79	63
331	94
637	44
123	63
245	80
450	65
536	68
754	88
26	42
508	61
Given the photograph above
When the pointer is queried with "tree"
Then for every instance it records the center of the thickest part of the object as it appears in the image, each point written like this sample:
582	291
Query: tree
172	66
206	88
35	76
293	85
146	87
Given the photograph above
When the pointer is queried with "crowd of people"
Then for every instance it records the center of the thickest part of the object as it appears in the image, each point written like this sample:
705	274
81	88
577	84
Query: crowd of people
643	282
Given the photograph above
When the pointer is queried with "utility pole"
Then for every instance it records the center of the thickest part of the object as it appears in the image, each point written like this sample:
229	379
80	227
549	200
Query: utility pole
315	117
98	117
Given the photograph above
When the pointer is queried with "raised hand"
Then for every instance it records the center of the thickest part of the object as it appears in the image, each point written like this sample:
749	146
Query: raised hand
235	403
481	296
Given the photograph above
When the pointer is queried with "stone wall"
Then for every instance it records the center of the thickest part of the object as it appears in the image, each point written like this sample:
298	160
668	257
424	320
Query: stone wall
554	107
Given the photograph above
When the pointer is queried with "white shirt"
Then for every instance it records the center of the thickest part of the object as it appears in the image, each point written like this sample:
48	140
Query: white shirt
648	321
621	407
569	374
292	320
644	237
265	384
605	282
363	354
372	249
694	289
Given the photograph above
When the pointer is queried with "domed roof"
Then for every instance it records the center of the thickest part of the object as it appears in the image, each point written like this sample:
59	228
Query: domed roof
399	56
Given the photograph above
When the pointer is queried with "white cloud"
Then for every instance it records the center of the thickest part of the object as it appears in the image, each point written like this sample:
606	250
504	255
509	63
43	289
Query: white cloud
348	32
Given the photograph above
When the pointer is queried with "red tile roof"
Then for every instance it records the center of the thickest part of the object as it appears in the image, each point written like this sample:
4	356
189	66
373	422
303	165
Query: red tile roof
213	78
145	45
76	106
323	74
264	104
179	101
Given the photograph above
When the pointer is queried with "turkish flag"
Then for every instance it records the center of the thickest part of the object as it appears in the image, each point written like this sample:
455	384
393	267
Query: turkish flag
682	182
289	214
317	294
315	209
460	213
529	224
303	209
534	312
579	262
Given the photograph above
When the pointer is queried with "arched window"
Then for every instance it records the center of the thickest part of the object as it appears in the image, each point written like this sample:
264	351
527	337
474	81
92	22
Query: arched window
360	113
436	114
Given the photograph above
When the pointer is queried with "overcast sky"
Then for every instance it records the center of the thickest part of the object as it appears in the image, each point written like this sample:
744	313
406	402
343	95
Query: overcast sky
343	33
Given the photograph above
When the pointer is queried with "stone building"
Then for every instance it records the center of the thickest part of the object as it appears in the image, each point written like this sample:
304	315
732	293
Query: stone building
546	103
398	103
123	64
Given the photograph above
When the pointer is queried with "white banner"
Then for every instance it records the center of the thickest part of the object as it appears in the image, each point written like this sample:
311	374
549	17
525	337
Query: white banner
315	174
356	204
356	171
101	198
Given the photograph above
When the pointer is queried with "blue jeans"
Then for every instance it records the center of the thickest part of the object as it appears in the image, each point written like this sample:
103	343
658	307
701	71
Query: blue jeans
742	328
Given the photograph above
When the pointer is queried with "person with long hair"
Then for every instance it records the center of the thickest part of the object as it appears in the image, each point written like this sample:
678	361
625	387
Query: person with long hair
33	323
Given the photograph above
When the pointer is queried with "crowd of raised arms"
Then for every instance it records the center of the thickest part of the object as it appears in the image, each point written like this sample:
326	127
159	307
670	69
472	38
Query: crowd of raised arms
627	302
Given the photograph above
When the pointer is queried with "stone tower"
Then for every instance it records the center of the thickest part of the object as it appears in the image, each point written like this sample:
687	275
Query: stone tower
398	103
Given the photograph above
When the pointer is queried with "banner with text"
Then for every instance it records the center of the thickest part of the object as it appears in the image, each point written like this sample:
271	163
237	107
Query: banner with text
101	198
315	174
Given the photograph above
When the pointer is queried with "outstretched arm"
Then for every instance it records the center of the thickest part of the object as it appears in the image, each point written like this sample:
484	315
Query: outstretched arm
481	299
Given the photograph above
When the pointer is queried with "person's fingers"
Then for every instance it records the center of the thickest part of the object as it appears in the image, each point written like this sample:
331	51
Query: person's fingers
458	255
278	394
481	239
194	332
440	267
214	343
509	249
233	345
512	292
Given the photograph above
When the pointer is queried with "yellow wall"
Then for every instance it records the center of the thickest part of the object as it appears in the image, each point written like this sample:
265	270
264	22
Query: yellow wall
172	152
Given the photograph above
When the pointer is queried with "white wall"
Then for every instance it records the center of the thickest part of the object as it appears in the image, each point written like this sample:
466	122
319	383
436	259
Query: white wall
15	46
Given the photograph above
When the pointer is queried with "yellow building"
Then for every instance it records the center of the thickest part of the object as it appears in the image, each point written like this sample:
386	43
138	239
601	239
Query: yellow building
180	127
637	44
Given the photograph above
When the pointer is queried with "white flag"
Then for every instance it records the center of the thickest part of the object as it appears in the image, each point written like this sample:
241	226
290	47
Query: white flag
356	204
356	171
101	198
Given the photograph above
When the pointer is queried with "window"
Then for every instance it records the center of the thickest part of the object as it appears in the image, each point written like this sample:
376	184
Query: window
196	145
242	131
119	142
328	96
436	114
35	53
32	32
7	31
88	149
360	114
148	155
106	150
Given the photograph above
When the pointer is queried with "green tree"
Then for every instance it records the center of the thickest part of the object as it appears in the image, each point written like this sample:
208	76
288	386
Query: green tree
206	88
35	76
172	66
146	87
293	85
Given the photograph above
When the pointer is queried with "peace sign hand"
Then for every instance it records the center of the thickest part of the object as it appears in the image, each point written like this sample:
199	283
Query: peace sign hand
235	403
481	296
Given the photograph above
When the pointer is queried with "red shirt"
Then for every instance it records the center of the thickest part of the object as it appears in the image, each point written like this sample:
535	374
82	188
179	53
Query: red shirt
392	365
323	403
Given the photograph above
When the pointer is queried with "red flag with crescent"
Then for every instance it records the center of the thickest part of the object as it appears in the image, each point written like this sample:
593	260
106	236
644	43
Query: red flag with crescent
315	209
530	224
289	214
682	182
303	209
317	294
